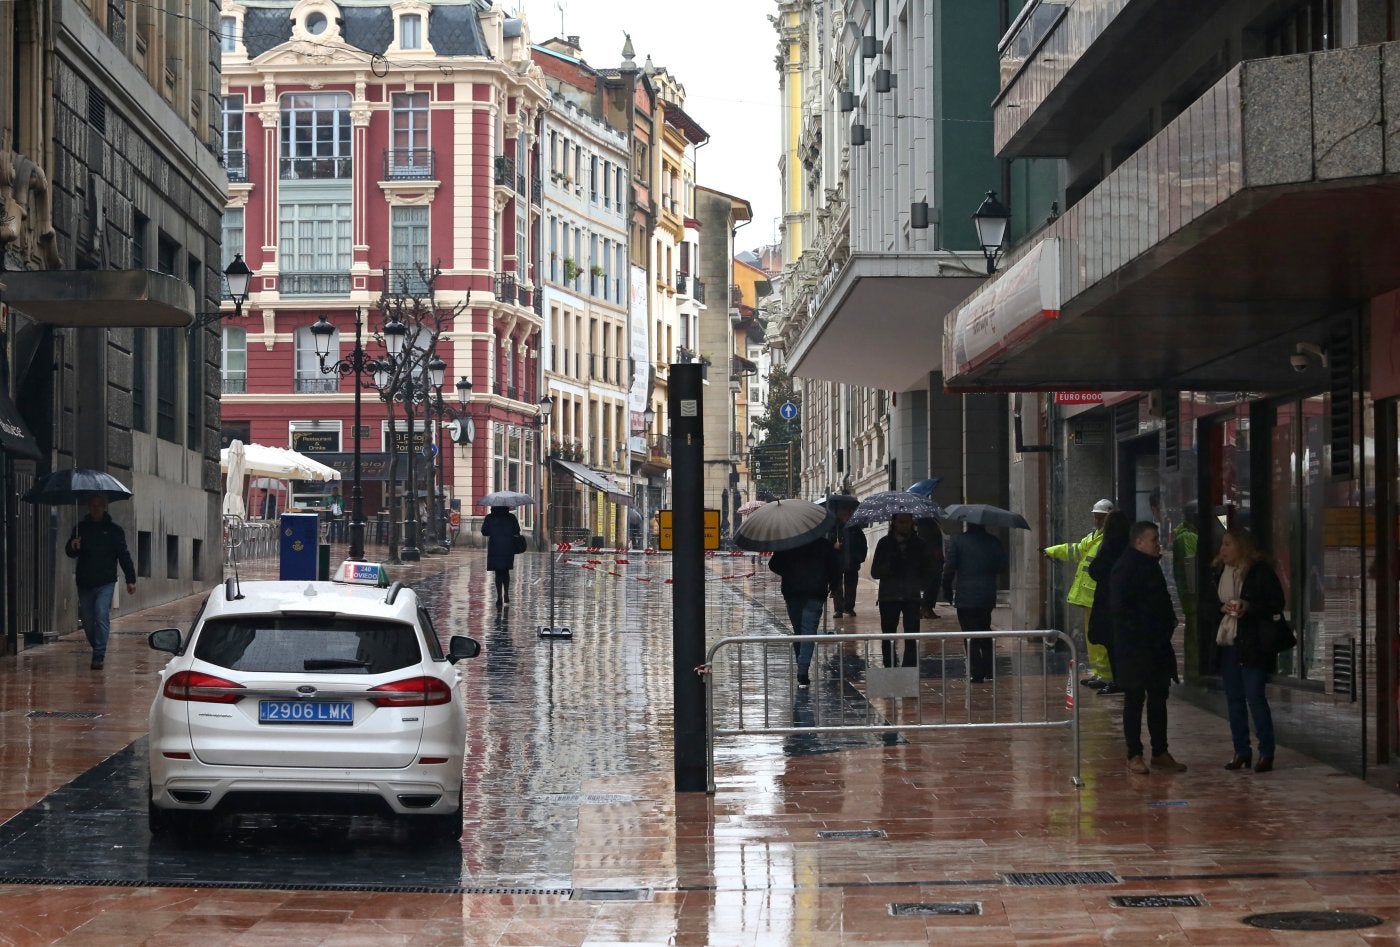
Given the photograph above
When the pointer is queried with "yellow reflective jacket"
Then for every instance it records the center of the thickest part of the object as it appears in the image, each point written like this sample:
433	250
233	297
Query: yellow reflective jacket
1081	590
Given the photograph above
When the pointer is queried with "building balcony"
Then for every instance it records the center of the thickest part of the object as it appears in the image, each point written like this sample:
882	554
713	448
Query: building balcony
697	290
236	164
536	191
1269	203
405	281
235	383
316	384
315	169
314	284
537	300
505	170
506	288
409	164
682	284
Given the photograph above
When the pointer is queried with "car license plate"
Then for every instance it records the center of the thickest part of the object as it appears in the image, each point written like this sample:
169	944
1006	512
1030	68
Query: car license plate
306	711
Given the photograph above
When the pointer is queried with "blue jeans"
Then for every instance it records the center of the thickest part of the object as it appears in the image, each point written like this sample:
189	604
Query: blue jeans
806	617
1244	697
95	609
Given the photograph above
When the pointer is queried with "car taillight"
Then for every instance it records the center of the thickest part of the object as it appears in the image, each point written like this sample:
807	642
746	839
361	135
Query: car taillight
205	688
412	692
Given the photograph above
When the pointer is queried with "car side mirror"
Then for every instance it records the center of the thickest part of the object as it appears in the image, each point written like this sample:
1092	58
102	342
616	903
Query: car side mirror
459	648
167	639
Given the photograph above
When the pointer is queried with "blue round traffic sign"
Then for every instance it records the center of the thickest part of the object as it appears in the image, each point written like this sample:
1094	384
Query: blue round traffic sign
788	411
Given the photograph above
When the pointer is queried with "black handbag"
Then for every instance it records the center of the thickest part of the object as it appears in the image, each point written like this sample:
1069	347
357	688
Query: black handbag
519	544
1276	636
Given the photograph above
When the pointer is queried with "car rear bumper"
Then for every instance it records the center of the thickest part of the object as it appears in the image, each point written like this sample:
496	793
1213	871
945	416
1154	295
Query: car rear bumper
416	790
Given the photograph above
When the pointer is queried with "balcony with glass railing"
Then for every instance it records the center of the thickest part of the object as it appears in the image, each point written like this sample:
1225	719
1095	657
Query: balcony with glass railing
315	169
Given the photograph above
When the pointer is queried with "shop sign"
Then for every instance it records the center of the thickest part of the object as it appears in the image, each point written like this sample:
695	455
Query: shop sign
1020	303
316	442
421	439
1079	397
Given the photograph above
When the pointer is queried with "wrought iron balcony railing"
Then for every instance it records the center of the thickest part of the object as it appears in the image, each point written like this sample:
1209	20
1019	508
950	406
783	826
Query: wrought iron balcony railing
409	164
315	169
317	385
505	170
314	284
698	290
536	190
505	287
236	164
235	383
404	281
682	286
538	300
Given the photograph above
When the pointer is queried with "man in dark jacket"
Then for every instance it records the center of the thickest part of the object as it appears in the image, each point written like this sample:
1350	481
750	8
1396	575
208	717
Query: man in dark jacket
975	559
849	543
809	572
99	545
903	568
1144	661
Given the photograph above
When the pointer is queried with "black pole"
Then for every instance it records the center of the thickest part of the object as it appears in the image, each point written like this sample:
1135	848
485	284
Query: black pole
357	504
440	514
410	552
688	570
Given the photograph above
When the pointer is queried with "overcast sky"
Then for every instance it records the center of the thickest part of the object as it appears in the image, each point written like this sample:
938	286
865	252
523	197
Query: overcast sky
722	52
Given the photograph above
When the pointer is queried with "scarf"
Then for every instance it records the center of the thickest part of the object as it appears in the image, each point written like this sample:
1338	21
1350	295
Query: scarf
1228	589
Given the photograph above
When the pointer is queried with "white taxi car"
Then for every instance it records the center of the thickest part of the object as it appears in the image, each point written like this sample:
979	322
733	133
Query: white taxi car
309	697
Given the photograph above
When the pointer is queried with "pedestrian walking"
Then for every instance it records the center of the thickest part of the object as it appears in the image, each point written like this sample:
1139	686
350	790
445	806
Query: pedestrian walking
1185	541
1143	623
975	559
928	530
1246	594
1115	542
809	573
901	565
99	546
503	541
849	544
1081	590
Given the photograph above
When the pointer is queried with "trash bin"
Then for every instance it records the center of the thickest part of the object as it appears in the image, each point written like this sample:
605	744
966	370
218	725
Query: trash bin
298	545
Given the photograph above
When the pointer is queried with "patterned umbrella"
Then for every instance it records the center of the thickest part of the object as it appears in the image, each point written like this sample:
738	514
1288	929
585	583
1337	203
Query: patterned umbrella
882	507
750	506
506	498
783	524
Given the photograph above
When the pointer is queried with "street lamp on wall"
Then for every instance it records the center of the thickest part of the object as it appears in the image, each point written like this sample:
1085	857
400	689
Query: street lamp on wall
238	276
991	220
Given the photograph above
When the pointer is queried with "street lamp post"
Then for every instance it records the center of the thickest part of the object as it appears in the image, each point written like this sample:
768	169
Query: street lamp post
386	370
648	418
991	219
356	364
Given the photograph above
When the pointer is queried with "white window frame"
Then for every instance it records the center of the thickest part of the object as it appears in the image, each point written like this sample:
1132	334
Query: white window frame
307	377
411	8
230	353
233	231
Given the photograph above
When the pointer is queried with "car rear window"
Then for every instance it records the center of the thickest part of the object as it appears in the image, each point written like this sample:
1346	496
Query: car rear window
299	644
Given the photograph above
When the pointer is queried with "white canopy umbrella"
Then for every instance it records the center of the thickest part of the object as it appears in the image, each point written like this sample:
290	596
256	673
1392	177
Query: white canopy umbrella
234	463
259	460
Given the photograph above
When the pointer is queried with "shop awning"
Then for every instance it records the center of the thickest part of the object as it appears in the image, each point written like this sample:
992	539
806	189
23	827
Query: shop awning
15	438
592	478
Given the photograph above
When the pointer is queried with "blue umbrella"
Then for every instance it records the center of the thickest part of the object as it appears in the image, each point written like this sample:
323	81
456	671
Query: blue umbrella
924	488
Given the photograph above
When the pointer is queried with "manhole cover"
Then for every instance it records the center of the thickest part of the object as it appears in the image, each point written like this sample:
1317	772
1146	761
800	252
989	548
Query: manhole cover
853	833
1157	901
936	908
63	714
1036	879
1313	921
611	894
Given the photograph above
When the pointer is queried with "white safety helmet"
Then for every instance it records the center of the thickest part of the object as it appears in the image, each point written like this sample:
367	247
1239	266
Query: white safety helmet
1103	506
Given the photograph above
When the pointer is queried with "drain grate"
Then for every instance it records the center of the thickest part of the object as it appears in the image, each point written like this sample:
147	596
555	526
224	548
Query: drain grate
1313	921
63	714
1157	901
1040	879
936	908
589	798
852	833
611	894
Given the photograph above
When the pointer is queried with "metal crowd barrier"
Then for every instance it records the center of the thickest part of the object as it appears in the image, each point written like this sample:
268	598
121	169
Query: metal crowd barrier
760	690
248	539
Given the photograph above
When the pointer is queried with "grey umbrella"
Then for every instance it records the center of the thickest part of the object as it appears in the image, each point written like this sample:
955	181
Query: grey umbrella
985	514
73	486
783	524
884	506
506	498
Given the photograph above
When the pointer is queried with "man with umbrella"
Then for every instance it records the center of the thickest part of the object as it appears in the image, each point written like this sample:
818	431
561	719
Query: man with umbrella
99	546
850	546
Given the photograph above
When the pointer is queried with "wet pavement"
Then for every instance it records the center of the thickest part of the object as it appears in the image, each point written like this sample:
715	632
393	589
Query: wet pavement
573	834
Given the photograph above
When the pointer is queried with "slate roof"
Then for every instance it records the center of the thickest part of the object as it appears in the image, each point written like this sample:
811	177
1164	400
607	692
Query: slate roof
453	29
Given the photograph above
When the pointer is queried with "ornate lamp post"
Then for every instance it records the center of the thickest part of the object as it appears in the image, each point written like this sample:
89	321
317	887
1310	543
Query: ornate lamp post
386	371
991	220
238	276
355	363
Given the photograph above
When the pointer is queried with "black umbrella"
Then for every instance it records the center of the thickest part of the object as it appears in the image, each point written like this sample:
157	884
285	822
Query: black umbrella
73	486
783	524
986	515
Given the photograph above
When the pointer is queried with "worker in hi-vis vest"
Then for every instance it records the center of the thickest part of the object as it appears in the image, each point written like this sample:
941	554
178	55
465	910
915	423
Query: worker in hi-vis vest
1081	595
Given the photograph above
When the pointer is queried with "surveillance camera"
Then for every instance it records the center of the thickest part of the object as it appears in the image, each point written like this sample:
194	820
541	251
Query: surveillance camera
1299	362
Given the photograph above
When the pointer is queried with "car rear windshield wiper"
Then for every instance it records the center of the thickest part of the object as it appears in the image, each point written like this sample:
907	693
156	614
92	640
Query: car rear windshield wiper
332	664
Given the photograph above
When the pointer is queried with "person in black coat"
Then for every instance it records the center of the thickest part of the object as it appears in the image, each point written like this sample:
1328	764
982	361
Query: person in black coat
1144	660
809	573
975	559
1247	594
500	527
903	568
1115	542
928	530
849	543
99	546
